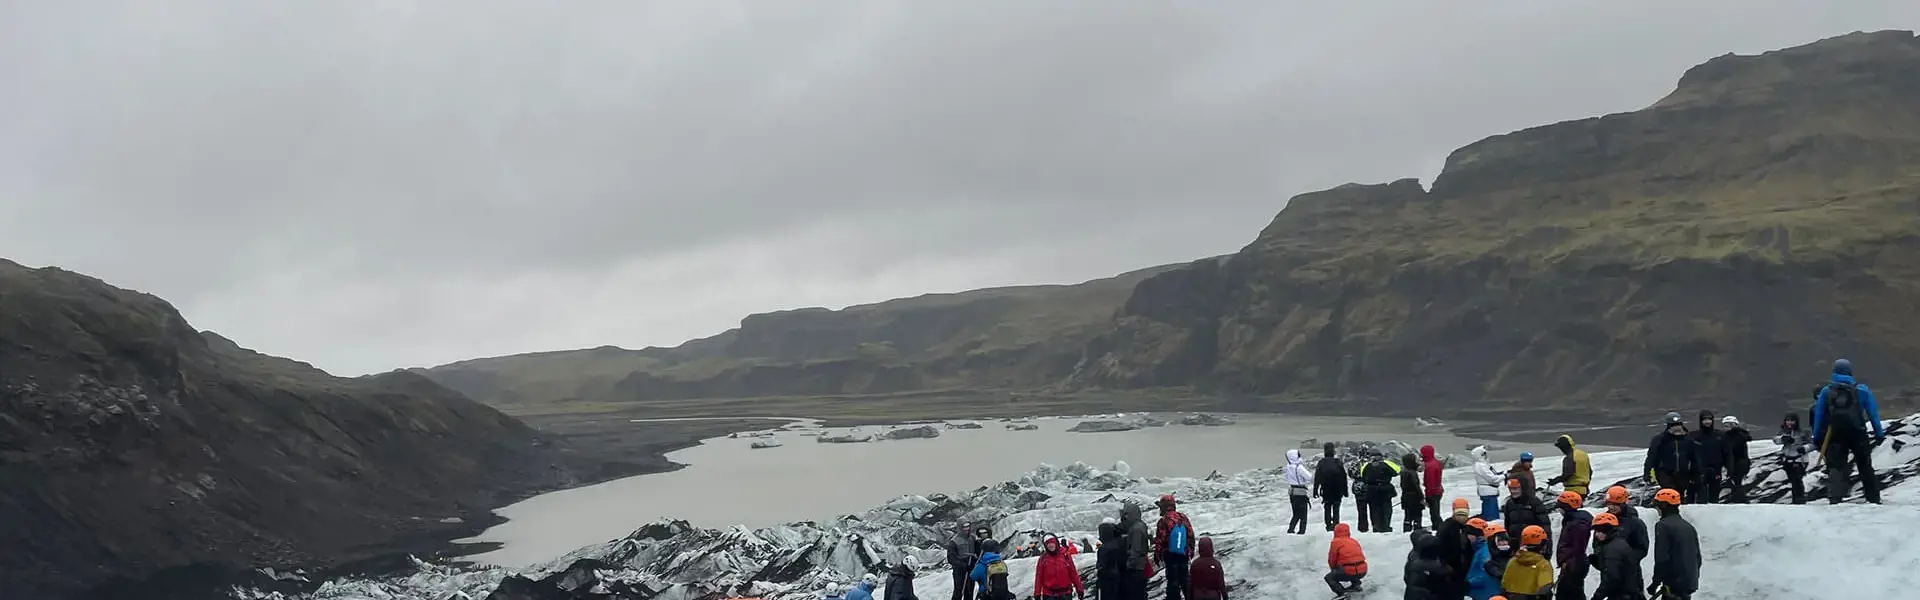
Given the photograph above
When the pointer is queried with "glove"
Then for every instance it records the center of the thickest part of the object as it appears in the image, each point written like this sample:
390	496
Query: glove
1556	480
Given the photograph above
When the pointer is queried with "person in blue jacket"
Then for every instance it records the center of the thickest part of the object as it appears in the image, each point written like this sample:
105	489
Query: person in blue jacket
990	574
1843	408
864	589
1490	555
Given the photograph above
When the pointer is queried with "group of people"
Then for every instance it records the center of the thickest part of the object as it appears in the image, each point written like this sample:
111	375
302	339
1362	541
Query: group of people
1846	426
1505	552
1471	557
1128	556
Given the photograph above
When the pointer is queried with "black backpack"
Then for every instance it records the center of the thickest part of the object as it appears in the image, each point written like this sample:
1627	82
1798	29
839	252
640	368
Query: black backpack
1843	410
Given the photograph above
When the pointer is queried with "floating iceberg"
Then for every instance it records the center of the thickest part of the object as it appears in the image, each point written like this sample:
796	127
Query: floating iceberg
1753	552
766	443
1206	420
923	431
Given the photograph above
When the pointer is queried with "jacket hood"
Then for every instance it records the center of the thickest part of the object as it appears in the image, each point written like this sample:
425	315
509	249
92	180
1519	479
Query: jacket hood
1564	443
1427	545
1206	547
1109	532
1341	531
1843	367
1409	461
1426	452
1839	378
901	570
1479	453
1129	512
990	557
1293	457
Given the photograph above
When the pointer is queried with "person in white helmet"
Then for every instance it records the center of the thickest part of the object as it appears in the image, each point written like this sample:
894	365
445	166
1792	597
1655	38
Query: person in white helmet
1739	460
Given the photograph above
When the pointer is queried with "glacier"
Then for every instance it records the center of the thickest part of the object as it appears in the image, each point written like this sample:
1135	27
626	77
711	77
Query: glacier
1757	551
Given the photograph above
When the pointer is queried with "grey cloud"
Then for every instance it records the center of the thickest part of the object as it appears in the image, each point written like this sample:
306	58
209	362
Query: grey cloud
370	185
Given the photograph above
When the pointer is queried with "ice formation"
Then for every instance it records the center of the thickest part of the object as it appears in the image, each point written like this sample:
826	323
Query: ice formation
1753	552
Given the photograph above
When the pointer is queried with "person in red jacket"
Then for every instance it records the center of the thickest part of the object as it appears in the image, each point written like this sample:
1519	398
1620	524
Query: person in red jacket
1346	564
1173	547
1208	580
1430	473
1055	577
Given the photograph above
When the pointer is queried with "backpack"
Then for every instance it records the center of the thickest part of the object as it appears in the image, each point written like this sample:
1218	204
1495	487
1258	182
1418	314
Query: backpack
1842	408
1179	537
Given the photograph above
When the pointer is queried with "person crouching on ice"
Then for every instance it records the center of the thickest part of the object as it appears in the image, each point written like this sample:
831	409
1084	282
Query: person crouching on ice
1055	577
1346	563
1529	575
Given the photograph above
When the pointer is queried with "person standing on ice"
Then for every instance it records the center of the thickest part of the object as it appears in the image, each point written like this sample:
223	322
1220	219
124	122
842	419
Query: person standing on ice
1489	563
900	580
1620	505
1455	536
1346	563
1173	547
1795	444
1524	509
1430	475
1054	576
1378	476
1299	482
1413	502
1709	461
1842	410
1523	470
1138	543
963	551
990	574
1486	483
1738	459
1209	580
1576	471
1670	457
1676	551
1529	575
1110	560
1330	485
1617	562
1576	526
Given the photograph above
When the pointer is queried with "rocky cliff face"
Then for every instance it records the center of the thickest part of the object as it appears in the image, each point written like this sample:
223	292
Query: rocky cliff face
998	338
130	443
1722	245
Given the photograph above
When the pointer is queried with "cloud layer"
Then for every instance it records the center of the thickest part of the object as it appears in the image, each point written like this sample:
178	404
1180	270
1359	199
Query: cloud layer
371	185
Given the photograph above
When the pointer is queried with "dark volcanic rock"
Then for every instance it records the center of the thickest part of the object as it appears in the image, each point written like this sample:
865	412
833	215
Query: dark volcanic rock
131	443
1720	247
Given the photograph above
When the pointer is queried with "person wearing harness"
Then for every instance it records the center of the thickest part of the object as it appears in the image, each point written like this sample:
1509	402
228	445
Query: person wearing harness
1378	476
1795	444
1298	483
1330	485
1842	411
1576	471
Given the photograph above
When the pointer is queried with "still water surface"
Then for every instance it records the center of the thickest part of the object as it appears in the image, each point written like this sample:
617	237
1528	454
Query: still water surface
726	482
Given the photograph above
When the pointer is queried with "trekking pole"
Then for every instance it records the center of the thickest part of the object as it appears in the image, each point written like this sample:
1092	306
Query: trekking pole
1824	440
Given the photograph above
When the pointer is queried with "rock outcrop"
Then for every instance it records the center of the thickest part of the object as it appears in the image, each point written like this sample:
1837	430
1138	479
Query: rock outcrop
1720	246
131	443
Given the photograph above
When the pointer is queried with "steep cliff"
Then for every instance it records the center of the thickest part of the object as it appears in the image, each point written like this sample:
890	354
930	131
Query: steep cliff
996	338
130	443
1721	245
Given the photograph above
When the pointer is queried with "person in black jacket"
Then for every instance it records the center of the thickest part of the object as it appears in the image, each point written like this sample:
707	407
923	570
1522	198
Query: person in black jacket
1412	498
1676	550
1379	478
1330	485
1110	561
1632	527
1426	577
1670	457
1709	461
1738	460
900	580
1523	509
962	552
1456	546
1619	566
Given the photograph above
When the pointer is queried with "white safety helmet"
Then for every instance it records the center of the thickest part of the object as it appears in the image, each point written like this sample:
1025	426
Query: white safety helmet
1730	421
870	579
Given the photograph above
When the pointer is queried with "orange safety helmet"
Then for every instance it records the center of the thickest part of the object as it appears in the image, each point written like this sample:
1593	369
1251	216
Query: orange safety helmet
1478	524
1618	495
1667	496
1533	534
1606	519
1459	503
1513	484
1572	499
1493	529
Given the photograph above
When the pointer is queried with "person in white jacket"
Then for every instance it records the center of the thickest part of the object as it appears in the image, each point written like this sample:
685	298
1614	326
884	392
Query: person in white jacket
1486	480
1299	481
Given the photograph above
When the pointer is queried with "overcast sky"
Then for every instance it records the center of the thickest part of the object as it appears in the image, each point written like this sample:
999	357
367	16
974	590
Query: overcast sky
377	184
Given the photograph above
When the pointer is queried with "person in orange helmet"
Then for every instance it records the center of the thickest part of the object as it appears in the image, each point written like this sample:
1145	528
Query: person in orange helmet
1489	562
1676	551
1530	574
1346	563
1618	565
1455	535
1576	527
1632	527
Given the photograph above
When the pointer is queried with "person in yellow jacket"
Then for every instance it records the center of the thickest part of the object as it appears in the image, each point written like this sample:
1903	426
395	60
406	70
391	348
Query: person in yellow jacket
1575	470
1529	575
